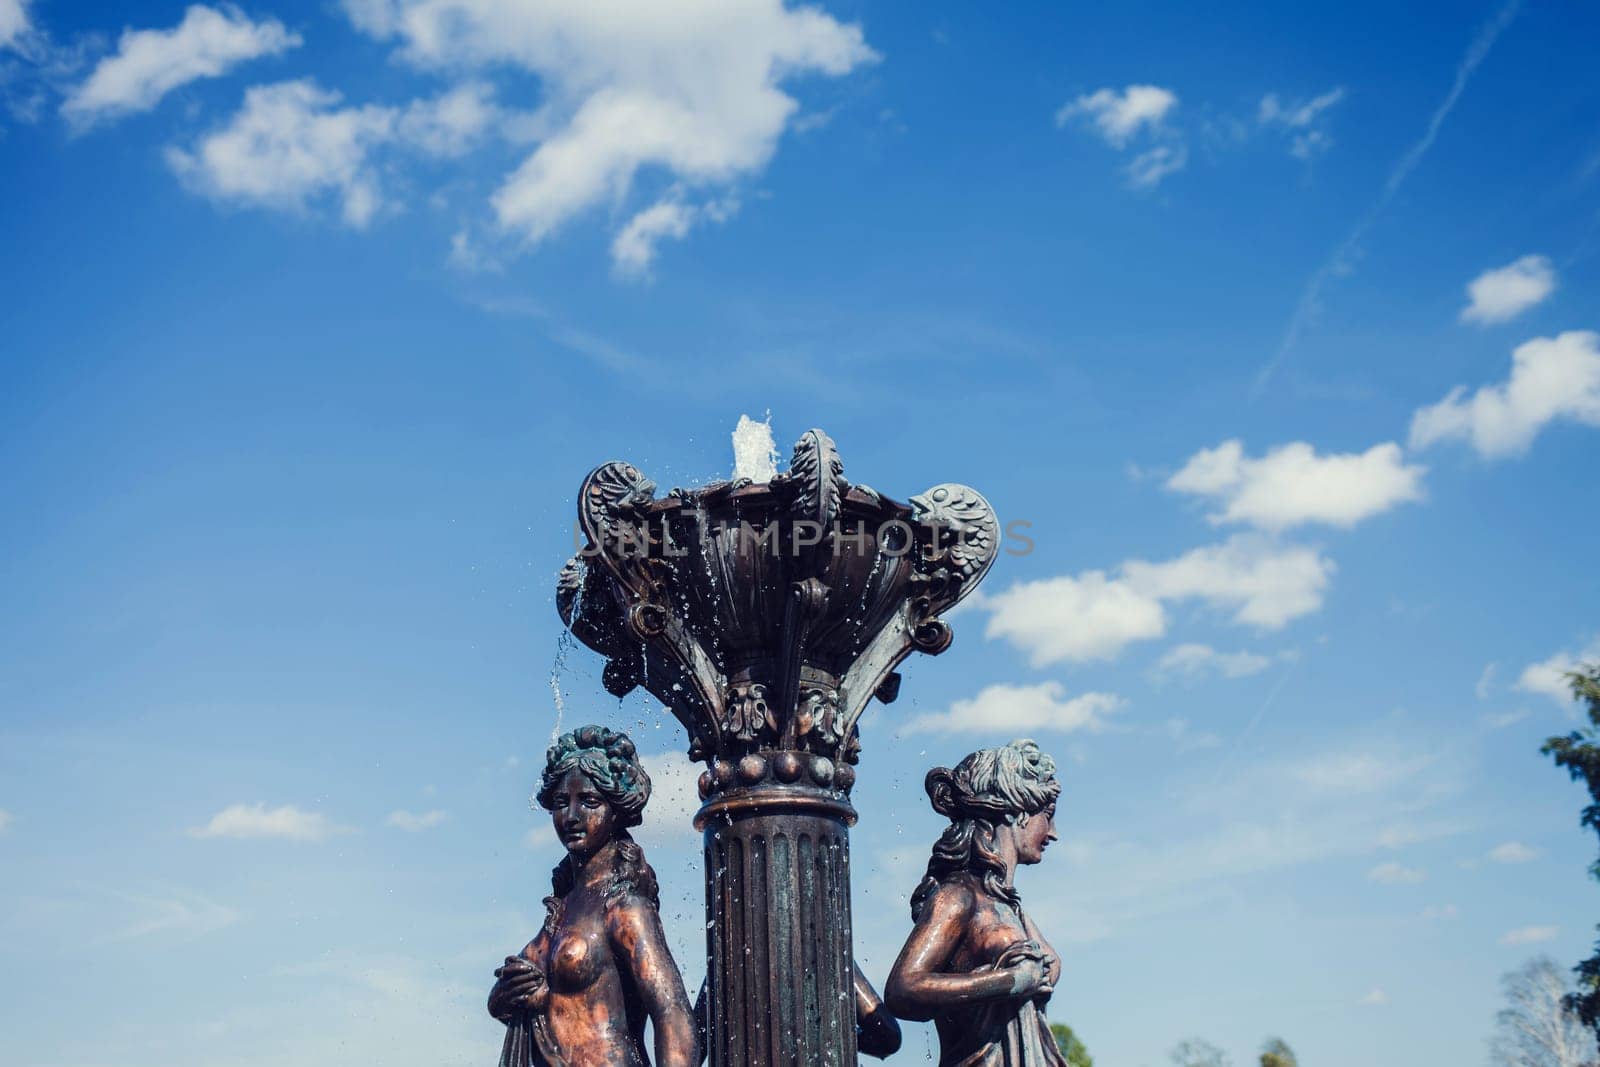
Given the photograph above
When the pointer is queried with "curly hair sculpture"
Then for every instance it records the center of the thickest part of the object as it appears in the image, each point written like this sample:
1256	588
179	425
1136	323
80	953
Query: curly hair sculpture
607	758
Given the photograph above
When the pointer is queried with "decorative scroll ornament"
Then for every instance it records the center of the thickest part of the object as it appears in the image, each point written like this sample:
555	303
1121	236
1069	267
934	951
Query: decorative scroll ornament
966	534
747	715
819	472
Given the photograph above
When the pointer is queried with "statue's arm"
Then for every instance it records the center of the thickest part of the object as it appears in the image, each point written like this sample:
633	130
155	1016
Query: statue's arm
877	1030
917	987
641	947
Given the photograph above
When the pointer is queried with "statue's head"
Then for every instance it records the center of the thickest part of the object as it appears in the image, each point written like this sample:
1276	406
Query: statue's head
993	796
593	786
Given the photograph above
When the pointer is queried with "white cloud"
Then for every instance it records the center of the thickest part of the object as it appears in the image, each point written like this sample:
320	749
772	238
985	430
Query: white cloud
1263	583
1019	708
1296	114
452	123
1089	617
414	821
1149	168
1291	485
7	819
149	64
1374	998
13	21
634	248
1501	720
1551	378
1549	676
1301	119
1094	617
1435	913
1502	294
692	90
1393	873
291	142
1529	935
1513	852
257	820
1193	660
1119	116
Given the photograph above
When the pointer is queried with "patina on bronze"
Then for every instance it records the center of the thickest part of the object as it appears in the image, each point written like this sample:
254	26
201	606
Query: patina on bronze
578	995
975	963
765	616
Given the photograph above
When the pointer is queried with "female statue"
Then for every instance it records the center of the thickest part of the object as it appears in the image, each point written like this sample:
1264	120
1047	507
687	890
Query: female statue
974	963
578	995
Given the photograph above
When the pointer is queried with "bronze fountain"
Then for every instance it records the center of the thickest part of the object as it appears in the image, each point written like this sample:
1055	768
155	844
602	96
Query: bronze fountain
766	615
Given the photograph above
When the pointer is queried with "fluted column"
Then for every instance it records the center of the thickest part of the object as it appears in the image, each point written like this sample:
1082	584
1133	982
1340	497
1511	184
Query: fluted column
779	973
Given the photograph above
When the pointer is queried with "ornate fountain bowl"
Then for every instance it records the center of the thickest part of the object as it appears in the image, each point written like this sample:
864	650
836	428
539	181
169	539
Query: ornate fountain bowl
767	615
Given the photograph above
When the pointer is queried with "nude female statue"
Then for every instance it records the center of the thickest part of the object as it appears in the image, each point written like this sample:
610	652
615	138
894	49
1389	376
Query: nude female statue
578	995
974	963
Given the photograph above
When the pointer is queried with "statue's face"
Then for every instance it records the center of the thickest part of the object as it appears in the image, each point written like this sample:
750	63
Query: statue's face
1034	834
583	818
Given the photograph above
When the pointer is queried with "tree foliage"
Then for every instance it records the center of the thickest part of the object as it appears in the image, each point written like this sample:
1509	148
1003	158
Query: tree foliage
1277	1053
1537	1028
1579	753
1197	1052
1072	1048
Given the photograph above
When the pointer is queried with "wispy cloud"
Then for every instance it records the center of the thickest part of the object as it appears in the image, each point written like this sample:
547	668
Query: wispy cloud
413	822
1549	676
1019	709
149	64
178	913
14	21
1529	935
1513	852
1392	873
1302	120
259	821
1193	660
1343	259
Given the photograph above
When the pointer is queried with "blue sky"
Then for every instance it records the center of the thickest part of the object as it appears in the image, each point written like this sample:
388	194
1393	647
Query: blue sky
316	314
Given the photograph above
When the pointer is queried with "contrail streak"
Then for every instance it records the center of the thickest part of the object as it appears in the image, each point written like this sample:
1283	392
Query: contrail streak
1341	262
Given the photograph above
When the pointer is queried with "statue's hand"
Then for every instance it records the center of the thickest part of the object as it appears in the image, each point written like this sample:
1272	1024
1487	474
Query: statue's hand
519	987
1029	978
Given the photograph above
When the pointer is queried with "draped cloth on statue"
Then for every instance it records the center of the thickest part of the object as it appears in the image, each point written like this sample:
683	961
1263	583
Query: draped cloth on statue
1000	1033
528	1044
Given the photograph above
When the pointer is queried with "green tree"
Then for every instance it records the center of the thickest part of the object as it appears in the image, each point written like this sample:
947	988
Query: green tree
1070	1046
1198	1052
1579	753
1277	1053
